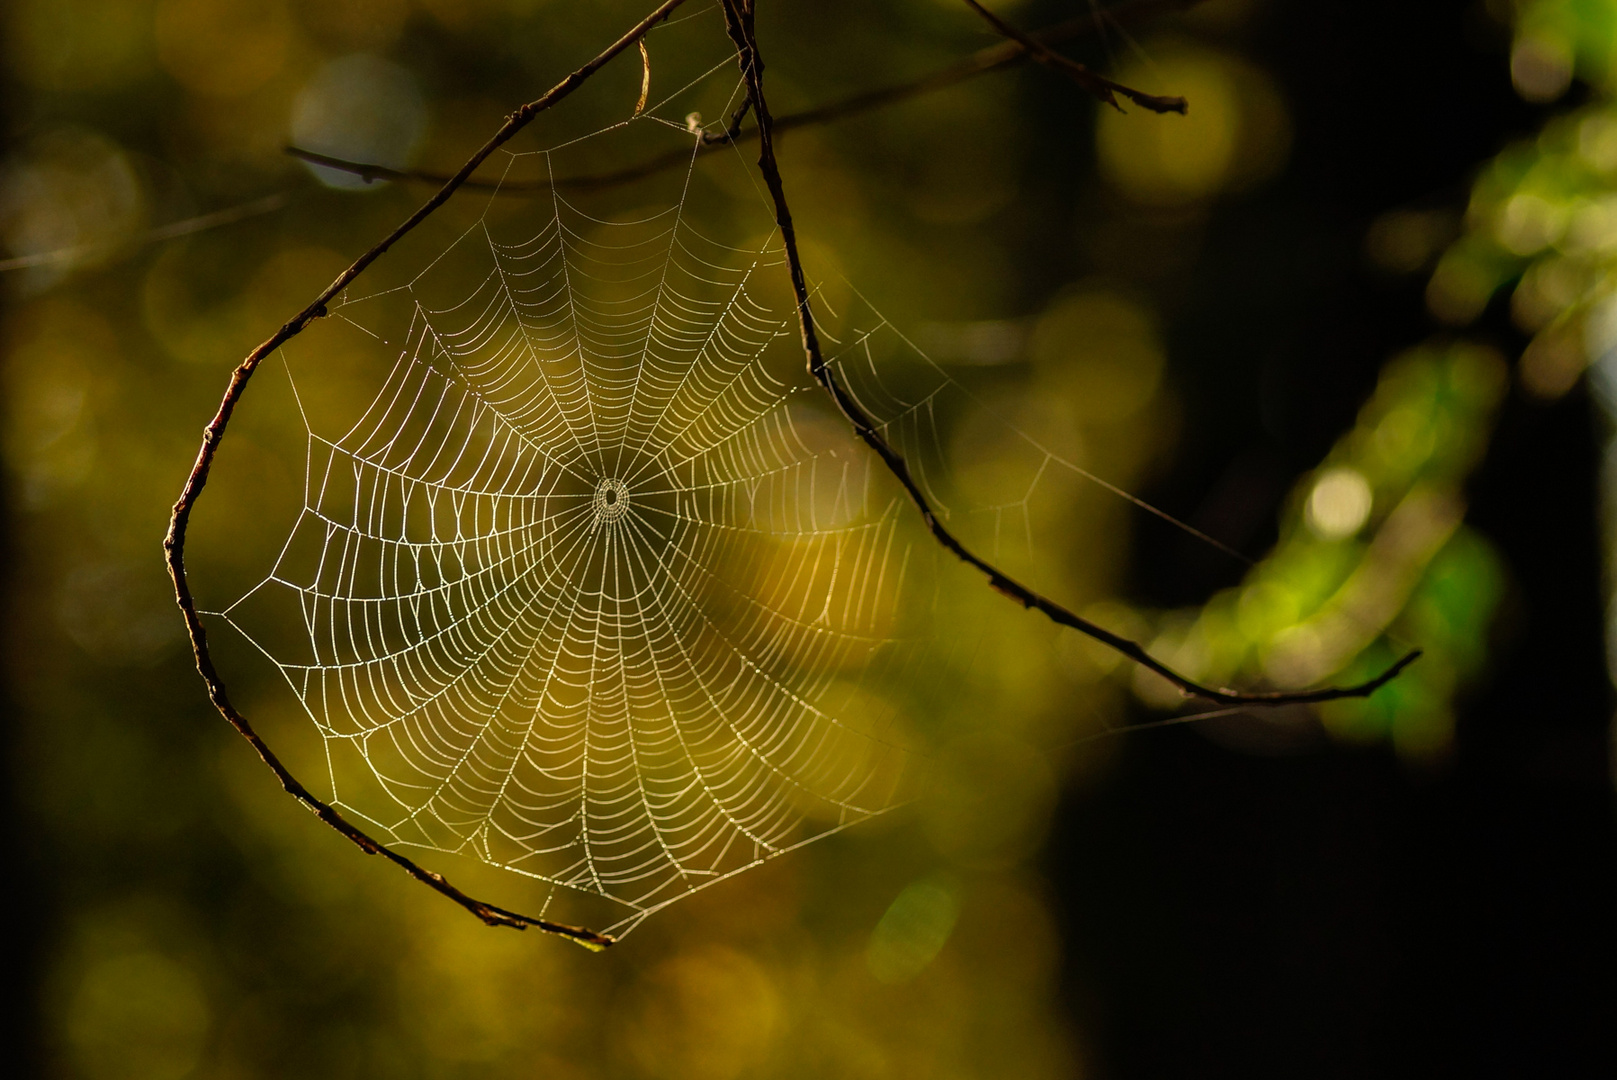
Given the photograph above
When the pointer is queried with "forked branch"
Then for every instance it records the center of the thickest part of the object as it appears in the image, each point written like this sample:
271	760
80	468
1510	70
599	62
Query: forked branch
1099	85
982	62
174	542
738	16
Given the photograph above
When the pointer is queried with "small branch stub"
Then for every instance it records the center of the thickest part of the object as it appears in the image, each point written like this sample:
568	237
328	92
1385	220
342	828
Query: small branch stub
1102	88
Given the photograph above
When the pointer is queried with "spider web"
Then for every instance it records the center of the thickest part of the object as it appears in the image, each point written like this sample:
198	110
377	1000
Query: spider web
597	587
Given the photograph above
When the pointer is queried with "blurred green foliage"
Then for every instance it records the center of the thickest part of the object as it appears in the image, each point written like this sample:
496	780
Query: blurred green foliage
1542	219
1373	555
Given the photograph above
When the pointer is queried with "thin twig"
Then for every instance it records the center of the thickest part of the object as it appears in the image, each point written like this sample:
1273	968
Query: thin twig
982	62
1099	85
202	222
738	16
174	542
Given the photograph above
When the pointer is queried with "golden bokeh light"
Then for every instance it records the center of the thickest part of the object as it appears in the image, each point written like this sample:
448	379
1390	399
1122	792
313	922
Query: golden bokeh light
78	45
990	800
1339	505
1235	135
50	433
1541	67
707	1014
361	108
223	48
354	24
913	930
137	1016
1102	349
70	197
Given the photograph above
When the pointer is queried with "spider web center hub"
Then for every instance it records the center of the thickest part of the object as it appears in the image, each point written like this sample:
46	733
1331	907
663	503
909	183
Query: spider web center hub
611	500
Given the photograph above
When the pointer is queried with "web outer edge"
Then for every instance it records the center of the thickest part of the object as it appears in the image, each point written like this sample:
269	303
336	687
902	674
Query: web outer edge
213	434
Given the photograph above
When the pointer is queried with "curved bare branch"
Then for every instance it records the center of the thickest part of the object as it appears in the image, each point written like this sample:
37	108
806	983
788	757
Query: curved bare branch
174	542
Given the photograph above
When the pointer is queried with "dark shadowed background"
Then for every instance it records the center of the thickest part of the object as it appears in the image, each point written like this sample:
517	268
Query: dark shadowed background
1336	914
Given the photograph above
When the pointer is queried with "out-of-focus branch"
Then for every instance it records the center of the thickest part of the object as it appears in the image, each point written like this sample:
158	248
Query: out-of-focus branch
201	223
1101	87
982	62
739	22
174	542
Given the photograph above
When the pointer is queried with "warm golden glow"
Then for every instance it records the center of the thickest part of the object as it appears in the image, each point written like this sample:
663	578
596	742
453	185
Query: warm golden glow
1103	350
1234	136
223	48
